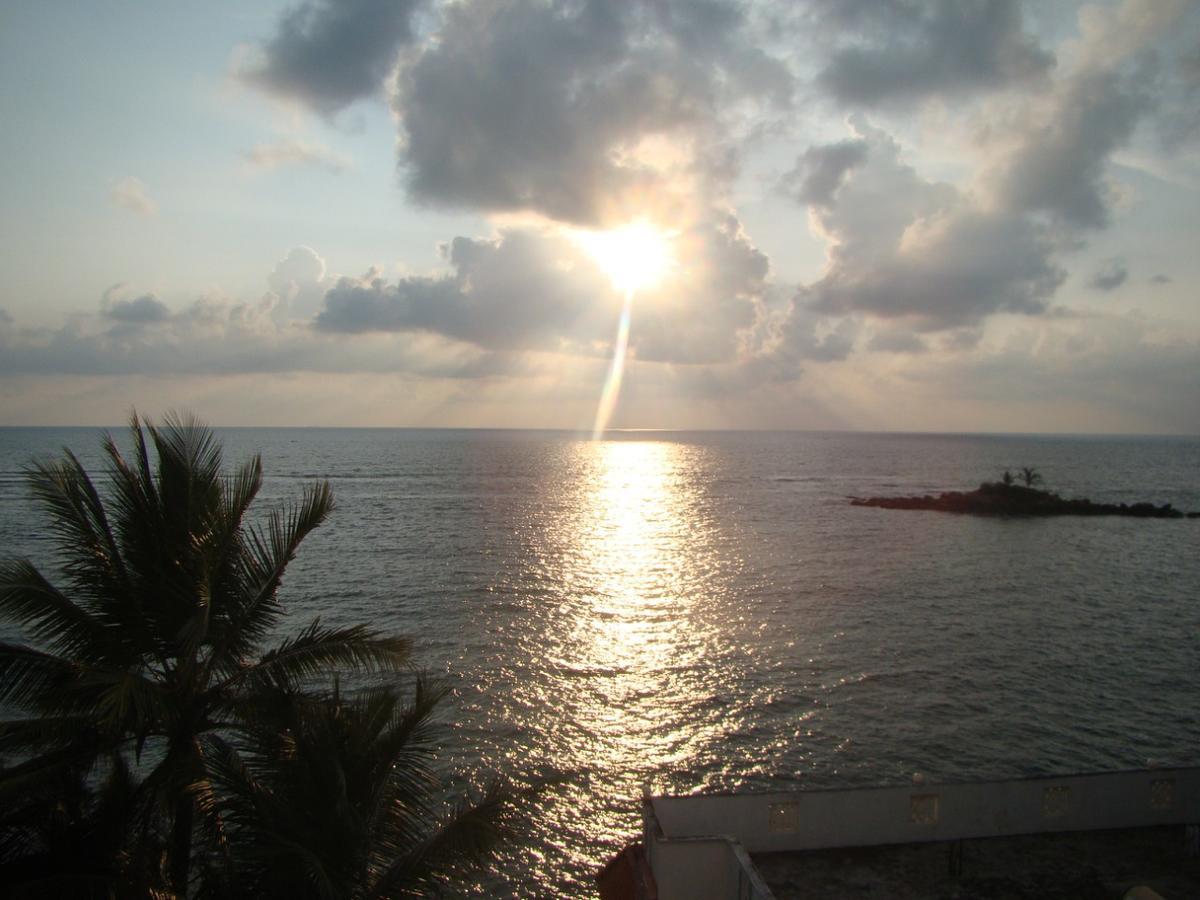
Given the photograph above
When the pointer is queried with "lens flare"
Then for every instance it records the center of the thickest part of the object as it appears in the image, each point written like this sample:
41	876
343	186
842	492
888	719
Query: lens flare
635	256
616	371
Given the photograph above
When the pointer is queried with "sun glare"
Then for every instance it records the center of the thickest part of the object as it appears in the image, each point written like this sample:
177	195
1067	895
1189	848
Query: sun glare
634	256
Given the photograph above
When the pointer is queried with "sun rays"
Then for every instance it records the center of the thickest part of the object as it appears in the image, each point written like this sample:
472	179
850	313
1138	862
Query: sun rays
635	257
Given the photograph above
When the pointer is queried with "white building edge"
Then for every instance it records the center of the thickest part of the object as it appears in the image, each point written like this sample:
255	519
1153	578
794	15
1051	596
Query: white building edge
699	847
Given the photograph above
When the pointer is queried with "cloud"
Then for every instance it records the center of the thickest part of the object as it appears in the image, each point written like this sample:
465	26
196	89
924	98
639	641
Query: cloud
821	170
215	335
1160	279
297	284
1110	276
584	112
811	336
144	310
1062	149
521	290
502	303
537	289
897	340
902	246
326	54
907	50
706	311
130	193
1179	120
1128	66
942	257
295	153
1113	373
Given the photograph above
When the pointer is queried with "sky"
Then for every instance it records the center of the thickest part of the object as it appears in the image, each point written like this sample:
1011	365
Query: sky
911	215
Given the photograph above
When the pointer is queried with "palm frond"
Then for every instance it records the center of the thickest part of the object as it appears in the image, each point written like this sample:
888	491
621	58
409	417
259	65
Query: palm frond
318	650
267	554
78	518
118	701
49	616
34	680
460	842
130	703
37	734
48	770
189	462
228	577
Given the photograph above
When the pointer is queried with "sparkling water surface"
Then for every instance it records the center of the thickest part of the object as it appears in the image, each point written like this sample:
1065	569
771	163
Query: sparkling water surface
705	611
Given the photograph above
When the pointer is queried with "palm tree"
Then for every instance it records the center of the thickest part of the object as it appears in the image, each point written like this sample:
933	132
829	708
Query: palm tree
335	797
1030	476
154	636
67	835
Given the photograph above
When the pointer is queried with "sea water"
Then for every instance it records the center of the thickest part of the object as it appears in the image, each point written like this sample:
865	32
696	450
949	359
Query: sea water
706	611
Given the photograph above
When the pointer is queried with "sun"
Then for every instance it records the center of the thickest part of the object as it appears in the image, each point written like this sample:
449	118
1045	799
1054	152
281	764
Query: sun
634	256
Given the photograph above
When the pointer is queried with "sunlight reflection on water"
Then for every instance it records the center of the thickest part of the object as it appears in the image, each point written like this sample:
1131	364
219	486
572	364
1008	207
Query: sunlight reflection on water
706	611
624	674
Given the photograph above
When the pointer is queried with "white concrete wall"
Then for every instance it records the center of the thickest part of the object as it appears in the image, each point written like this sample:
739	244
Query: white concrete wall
696	868
714	868
801	820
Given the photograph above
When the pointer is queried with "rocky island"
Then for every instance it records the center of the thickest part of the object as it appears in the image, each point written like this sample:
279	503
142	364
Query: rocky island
1003	498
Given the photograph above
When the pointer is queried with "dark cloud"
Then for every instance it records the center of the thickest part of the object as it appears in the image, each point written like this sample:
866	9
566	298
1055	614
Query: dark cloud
952	269
525	289
1179	84
819	339
327	54
1160	279
1110	276
902	246
216	336
820	171
1059	164
879	197
897	340
887	51
547	107
143	310
1154	44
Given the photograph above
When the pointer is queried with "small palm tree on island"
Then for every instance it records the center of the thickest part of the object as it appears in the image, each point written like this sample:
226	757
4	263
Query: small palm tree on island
150	657
1030	476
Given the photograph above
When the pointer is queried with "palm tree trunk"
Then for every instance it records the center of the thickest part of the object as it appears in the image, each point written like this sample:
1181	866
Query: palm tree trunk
181	844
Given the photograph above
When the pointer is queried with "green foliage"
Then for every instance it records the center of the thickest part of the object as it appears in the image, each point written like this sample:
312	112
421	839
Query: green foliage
334	796
150	648
65	835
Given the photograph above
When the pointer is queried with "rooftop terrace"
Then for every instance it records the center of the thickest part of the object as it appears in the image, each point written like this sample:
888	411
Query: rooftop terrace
1073	836
1066	865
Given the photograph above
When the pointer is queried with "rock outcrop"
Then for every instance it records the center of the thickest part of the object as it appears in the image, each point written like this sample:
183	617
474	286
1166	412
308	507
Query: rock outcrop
998	499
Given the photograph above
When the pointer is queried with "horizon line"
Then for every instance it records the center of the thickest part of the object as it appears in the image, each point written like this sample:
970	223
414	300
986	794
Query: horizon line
585	433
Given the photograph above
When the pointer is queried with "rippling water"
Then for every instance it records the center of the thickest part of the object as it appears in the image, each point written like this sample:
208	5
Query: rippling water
704	611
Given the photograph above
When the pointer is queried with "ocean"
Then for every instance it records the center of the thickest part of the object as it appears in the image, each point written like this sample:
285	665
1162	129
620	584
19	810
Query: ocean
706	612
